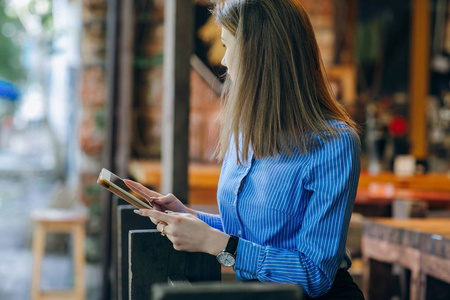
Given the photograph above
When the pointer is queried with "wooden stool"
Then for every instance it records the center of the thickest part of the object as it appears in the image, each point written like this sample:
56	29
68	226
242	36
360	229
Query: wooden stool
63	221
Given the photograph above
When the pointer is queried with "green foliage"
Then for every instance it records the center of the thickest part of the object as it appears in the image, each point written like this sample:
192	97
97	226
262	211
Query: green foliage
92	190
11	33
42	8
100	119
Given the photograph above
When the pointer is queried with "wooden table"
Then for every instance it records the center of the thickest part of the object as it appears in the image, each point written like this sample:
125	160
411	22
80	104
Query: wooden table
421	246
203	179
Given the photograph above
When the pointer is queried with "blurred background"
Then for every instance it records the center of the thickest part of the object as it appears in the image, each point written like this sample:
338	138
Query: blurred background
60	71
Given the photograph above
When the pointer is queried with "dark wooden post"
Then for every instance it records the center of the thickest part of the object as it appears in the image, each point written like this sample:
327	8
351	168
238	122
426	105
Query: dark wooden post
178	45
119	81
126	220
226	291
126	92
152	259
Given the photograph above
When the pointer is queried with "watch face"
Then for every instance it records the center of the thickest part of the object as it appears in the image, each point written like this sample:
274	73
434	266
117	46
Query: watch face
226	259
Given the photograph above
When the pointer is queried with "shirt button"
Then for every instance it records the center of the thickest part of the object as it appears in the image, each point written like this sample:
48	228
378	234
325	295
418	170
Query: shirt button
239	232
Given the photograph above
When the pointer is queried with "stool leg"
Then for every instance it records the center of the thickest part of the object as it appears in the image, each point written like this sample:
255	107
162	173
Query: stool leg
38	256
79	262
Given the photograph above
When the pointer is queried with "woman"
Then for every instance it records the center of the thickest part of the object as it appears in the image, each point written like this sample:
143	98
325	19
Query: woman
290	159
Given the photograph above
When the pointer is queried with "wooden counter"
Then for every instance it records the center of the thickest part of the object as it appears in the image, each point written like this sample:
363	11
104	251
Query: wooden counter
429	181
381	189
421	246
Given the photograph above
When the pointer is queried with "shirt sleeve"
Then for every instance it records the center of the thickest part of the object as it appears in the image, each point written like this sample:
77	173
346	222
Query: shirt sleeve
212	220
332	181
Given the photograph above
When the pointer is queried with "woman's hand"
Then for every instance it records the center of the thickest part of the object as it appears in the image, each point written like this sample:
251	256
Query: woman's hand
158	201
186	232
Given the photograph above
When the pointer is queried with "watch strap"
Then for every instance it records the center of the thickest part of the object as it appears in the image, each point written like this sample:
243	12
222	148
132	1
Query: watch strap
232	244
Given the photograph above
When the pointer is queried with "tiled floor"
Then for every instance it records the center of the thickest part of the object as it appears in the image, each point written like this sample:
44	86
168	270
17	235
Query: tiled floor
18	197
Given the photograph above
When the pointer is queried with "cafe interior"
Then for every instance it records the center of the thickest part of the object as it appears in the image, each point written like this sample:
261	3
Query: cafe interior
148	100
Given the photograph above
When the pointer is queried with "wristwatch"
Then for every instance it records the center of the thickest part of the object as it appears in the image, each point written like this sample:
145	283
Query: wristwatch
227	257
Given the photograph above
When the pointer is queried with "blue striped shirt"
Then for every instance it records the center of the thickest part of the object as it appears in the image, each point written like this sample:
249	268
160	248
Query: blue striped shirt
291	212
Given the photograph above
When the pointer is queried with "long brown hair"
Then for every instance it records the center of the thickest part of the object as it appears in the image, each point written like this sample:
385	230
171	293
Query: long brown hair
279	100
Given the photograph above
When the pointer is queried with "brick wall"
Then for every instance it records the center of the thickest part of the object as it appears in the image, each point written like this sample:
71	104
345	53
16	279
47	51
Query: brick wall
204	102
322	14
203	122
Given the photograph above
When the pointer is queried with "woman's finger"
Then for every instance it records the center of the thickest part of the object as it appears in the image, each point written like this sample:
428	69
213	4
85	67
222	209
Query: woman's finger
162	227
149	195
156	206
141	190
160	216
154	221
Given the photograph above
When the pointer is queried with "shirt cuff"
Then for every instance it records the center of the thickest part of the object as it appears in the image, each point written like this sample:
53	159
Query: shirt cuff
249	256
211	219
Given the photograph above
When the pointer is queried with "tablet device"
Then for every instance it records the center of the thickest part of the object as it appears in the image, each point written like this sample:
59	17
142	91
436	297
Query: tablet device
116	185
